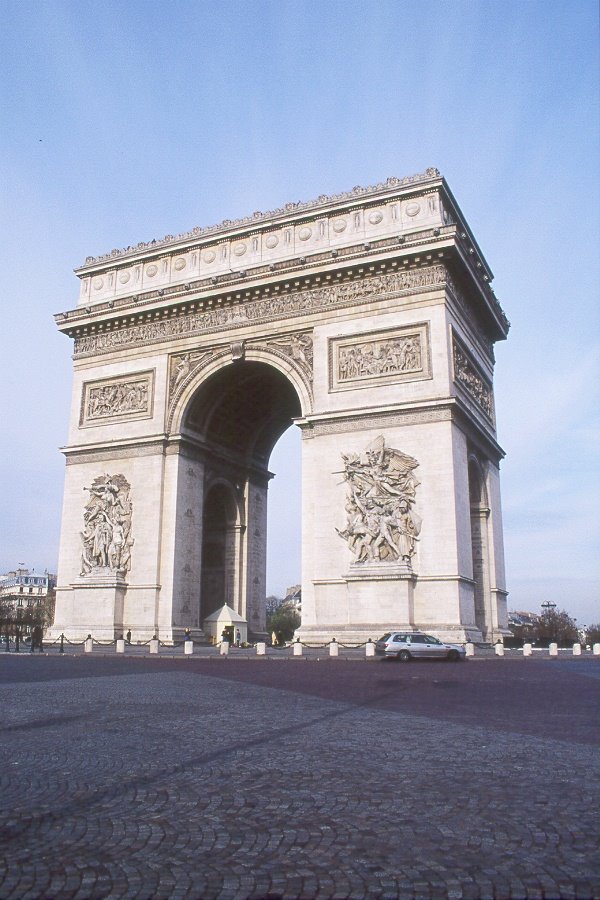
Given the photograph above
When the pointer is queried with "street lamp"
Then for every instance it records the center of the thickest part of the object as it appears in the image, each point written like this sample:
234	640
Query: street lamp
548	606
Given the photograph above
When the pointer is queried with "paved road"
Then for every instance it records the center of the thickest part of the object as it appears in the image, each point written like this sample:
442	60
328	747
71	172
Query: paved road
249	778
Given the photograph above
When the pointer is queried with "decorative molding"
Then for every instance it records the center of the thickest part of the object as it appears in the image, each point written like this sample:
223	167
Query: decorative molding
381	526
258	217
267	310
79	456
379	357
468	375
367	420
117	399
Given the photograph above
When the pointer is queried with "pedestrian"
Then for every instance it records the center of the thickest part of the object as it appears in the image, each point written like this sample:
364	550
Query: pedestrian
273	638
224	635
37	638
129	636
238	638
188	636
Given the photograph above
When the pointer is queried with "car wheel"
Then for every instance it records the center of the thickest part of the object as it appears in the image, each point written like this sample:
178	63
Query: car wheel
404	656
454	656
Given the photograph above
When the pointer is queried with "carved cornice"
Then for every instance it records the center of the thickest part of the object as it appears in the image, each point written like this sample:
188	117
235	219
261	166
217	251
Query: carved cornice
253	312
258	218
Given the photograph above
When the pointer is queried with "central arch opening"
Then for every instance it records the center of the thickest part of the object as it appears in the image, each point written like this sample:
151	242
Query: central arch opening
235	418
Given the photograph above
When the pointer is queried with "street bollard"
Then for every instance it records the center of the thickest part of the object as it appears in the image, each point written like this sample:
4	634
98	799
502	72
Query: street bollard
499	649
224	648
154	645
553	649
89	644
120	645
297	651
527	650
188	647
261	648
62	644
470	648
369	648
596	649
576	649
334	648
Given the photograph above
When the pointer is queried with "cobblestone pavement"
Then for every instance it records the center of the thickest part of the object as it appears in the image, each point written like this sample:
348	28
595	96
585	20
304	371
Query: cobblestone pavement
247	778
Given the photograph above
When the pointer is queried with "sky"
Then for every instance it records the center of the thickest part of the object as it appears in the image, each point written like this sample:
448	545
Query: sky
123	122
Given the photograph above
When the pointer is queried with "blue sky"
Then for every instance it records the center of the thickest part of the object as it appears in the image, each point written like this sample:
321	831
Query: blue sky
121	122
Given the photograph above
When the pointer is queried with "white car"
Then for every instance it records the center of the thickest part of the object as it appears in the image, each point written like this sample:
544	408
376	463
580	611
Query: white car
407	645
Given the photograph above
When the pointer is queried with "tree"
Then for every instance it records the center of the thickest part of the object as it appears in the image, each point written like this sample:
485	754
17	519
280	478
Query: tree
283	621
556	626
592	634
273	604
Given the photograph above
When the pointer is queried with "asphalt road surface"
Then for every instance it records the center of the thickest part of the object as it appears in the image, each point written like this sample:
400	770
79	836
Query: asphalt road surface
296	777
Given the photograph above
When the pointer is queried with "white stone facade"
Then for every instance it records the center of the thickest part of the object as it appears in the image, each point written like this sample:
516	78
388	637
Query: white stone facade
368	320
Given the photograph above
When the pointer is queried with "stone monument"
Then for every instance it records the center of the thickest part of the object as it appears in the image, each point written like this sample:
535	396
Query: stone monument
366	319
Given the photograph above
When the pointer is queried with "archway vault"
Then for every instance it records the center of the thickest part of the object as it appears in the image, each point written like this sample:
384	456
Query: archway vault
224	363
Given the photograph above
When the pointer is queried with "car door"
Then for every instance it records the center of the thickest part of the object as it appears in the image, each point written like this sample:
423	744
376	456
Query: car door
417	647
433	648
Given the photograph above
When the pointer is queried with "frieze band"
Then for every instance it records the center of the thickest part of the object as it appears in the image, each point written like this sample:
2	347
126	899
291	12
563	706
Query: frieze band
267	310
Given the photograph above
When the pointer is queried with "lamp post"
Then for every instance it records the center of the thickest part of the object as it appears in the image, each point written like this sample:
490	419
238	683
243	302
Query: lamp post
548	606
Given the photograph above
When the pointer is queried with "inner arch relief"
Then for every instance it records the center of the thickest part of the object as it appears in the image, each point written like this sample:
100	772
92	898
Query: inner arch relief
367	321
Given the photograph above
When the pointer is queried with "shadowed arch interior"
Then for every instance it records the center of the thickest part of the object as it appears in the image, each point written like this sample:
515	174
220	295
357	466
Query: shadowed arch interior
244	408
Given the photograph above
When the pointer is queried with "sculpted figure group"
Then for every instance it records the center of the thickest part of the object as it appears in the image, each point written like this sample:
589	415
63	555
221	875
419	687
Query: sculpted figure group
106	537
382	524
380	358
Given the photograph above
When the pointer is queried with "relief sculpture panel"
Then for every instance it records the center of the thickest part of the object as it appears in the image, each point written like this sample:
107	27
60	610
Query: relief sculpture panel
382	525
400	354
128	397
106	536
467	375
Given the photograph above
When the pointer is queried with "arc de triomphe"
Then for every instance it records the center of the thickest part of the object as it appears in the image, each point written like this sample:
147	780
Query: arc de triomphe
366	319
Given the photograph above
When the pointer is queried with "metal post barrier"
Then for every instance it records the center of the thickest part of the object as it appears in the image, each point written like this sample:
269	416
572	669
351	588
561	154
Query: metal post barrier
297	651
526	649
224	648
334	648
17	640
89	644
61	649
261	648
553	649
120	645
470	648
369	648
